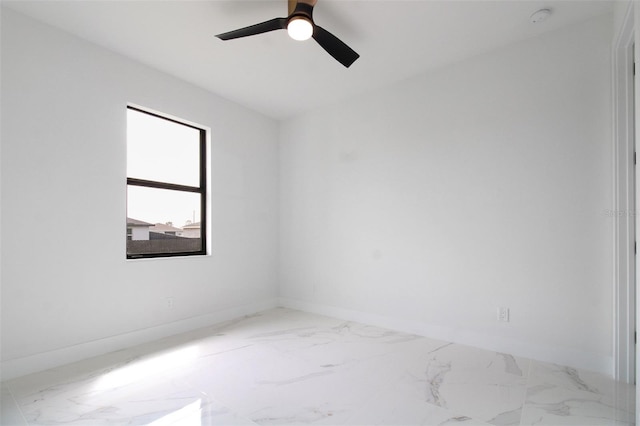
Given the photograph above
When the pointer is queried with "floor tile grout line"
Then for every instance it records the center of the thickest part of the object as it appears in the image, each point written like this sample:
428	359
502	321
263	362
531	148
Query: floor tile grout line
526	390
15	402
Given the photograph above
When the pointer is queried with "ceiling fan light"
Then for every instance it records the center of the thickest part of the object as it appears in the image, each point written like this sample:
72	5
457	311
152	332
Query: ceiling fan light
300	28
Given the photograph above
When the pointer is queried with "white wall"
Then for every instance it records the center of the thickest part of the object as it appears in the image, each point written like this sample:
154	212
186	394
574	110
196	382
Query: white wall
63	171
423	206
427	205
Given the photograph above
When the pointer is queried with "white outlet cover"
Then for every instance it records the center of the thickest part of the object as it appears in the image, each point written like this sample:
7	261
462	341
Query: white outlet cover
503	314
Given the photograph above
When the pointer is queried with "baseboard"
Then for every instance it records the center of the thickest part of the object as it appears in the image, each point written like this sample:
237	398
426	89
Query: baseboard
43	361
31	364
556	355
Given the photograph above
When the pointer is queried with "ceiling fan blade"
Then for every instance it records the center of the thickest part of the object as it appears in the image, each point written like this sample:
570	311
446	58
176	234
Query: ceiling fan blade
263	27
334	46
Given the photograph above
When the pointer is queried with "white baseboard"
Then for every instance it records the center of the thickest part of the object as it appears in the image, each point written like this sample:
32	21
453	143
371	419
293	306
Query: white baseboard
43	361
556	355
31	364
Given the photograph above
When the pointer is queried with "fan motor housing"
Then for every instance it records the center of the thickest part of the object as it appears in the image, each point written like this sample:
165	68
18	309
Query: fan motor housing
302	10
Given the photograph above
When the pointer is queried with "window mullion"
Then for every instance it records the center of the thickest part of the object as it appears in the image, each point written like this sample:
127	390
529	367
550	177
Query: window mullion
162	185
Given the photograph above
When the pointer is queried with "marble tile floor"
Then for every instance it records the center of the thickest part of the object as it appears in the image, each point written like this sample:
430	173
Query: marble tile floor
289	367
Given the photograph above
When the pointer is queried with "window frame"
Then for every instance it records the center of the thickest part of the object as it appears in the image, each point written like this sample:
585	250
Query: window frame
201	189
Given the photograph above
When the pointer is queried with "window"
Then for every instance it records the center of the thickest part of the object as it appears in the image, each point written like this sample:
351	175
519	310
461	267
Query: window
166	186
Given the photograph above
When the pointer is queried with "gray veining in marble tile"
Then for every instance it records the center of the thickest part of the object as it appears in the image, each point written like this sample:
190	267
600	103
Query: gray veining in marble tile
435	376
507	418
461	420
288	367
511	366
565	396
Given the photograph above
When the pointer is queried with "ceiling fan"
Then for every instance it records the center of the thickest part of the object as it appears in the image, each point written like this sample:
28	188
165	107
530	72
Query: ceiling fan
300	26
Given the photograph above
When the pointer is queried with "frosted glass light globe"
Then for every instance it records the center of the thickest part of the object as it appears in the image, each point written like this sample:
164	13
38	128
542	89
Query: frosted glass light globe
300	29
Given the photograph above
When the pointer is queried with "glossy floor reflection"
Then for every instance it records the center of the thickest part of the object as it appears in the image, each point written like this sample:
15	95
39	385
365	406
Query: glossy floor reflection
290	367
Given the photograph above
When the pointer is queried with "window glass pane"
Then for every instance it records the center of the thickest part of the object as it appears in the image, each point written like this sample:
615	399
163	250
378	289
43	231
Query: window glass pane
161	150
162	221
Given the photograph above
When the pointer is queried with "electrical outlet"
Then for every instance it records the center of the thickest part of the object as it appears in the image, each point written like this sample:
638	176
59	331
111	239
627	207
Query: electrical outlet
503	314
169	302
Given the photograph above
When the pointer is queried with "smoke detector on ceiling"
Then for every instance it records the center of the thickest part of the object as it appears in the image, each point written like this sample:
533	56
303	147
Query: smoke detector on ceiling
540	16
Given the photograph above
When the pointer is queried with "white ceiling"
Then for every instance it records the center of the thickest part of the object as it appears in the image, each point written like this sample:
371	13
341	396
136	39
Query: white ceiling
280	77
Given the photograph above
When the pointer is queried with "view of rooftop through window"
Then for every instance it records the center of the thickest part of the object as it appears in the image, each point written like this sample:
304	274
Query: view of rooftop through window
165	186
